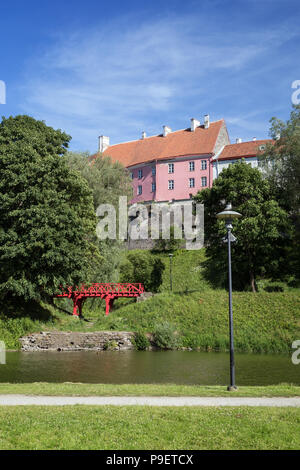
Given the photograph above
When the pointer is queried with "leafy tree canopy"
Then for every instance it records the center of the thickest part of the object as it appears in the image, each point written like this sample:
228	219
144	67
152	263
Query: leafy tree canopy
108	181
261	232
281	160
47	217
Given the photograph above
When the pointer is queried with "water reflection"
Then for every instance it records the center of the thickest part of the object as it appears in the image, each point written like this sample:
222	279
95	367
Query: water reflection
180	367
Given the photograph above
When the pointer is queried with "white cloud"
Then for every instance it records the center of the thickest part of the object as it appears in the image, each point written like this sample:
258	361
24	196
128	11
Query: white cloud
117	79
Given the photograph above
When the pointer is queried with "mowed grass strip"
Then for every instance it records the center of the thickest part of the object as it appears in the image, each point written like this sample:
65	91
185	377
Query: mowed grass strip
115	428
80	389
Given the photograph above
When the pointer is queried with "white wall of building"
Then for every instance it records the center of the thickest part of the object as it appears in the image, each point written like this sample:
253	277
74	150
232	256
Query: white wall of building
218	166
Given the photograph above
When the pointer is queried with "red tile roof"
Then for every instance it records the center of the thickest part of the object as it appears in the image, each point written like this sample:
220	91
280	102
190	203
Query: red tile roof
176	144
244	149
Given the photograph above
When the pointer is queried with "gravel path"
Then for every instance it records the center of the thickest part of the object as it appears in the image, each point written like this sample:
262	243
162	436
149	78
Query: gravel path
13	400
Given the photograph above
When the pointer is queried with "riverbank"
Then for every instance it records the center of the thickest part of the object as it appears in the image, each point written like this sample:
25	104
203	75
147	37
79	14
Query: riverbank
264	322
194	316
155	390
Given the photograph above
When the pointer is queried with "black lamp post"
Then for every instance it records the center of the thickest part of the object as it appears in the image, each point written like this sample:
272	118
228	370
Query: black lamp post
228	215
171	260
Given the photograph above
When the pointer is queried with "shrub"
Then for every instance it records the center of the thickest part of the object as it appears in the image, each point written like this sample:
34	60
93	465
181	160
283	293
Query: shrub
170	245
142	266
164	336
111	346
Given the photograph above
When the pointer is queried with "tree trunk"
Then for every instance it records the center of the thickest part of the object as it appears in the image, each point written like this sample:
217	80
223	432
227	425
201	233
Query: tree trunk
252	282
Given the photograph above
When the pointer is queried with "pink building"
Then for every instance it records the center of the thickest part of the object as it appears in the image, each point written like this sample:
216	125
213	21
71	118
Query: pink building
174	166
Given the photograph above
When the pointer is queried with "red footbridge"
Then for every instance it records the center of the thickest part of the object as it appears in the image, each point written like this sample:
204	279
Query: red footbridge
108	291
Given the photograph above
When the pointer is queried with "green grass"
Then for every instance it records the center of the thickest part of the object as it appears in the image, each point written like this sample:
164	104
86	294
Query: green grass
263	322
115	428
80	389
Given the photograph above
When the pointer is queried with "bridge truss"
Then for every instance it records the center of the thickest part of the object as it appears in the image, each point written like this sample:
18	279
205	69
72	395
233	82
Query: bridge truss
108	291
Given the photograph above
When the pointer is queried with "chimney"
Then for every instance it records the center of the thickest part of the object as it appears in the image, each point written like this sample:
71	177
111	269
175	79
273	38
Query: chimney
254	139
238	141
194	123
144	135
103	143
206	121
166	130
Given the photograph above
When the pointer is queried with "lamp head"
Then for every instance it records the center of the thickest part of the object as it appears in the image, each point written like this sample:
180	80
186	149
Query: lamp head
228	214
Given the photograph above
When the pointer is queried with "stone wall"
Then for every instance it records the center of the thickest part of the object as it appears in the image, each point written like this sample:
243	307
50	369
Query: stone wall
76	341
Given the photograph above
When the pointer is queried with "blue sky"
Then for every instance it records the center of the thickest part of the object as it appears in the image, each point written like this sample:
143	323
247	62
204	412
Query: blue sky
123	67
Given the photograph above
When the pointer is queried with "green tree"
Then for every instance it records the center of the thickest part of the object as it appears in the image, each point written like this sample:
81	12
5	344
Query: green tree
281	160
107	179
47	219
281	164
262	232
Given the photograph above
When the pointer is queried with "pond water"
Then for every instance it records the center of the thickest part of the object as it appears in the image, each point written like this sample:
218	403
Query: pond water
178	367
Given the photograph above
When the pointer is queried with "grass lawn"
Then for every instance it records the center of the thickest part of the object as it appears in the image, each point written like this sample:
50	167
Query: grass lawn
116	428
79	389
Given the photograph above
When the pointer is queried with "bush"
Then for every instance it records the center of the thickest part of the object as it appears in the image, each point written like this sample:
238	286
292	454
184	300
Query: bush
170	245
140	341
164	336
142	266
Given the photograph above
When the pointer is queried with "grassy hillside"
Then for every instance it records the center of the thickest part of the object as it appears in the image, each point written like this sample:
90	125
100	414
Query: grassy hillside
263	322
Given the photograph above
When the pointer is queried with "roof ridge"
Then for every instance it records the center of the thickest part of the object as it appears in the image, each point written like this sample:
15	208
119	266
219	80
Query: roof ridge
248	142
157	135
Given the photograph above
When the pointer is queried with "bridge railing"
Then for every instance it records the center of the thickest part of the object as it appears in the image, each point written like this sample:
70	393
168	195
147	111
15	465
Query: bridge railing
105	288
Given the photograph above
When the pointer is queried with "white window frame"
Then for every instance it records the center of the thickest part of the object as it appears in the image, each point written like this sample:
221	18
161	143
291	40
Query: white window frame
170	168
140	174
191	182
203	164
204	178
192	166
139	189
171	185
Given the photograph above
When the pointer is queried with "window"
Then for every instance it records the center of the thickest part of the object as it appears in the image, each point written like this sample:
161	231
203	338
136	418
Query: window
203	181
192	182
171	168
203	164
153	187
171	184
153	171
192	166
140	174
140	189
131	175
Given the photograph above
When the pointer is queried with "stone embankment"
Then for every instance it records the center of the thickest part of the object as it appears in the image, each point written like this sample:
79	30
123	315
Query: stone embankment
77	341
